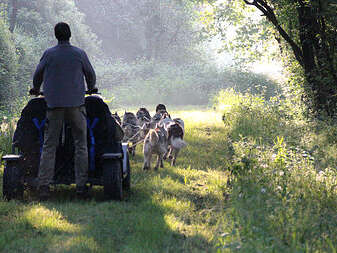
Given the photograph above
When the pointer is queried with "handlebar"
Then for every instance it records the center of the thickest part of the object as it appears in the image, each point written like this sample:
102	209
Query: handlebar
93	91
88	92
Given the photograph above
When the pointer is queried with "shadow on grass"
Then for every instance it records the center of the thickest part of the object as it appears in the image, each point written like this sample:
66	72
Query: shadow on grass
65	224
207	148
141	223
195	192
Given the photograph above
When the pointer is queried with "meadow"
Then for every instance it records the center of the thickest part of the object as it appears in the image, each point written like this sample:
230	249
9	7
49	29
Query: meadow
246	182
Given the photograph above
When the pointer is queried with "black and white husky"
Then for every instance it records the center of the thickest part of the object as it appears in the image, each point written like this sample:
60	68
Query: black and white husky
175	131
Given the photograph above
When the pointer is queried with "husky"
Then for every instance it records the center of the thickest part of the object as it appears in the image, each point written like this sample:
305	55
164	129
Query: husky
144	119
175	130
176	140
130	128
143	116
117	118
155	142
160	107
160	114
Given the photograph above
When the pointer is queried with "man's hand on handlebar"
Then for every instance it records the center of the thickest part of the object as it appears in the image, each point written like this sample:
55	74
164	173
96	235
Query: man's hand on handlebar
92	91
34	91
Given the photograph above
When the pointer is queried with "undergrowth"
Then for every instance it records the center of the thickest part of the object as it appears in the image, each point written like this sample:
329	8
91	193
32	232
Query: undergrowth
284	185
7	127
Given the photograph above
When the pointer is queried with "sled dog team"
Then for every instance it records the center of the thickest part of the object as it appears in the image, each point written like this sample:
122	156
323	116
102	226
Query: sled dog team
161	135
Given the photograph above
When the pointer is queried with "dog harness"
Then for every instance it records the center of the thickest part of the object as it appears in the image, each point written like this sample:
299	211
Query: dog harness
92	143
39	127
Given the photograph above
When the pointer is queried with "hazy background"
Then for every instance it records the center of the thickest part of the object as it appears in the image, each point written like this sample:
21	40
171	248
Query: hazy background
144	51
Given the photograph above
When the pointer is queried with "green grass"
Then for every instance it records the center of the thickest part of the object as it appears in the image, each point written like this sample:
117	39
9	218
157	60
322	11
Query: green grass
172	210
278	201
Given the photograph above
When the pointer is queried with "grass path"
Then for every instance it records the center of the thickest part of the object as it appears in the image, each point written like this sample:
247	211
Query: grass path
176	209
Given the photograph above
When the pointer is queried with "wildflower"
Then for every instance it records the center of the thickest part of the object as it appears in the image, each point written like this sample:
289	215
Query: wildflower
3	127
263	190
281	173
321	175
264	165
225	234
279	188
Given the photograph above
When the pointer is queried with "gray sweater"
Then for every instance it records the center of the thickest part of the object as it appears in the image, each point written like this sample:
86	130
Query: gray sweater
62	70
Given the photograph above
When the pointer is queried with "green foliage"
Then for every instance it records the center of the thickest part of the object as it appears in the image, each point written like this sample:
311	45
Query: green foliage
284	177
161	30
8	66
7	128
295	32
254	116
244	33
281	202
38	18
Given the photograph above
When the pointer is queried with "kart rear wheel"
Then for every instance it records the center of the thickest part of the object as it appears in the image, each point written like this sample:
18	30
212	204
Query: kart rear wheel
113	179
12	181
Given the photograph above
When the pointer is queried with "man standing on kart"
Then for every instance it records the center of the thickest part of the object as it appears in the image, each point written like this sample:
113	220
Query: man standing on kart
62	70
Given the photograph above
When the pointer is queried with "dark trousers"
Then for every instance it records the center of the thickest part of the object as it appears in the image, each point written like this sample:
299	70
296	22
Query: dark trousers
76	116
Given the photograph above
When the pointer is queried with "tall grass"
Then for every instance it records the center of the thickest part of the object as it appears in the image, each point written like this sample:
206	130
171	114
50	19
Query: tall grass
284	194
257	117
7	128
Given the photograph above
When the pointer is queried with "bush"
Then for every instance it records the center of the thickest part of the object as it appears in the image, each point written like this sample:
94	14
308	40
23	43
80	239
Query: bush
248	116
256	117
280	201
283	176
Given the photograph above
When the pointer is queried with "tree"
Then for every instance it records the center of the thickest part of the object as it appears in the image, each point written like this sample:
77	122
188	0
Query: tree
151	29
8	66
313	46
37	18
306	33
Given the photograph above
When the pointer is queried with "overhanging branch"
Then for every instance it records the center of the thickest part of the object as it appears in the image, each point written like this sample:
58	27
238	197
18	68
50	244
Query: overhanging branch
269	13
249	3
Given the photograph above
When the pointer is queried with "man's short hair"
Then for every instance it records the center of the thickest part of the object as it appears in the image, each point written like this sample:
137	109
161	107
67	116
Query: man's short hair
62	31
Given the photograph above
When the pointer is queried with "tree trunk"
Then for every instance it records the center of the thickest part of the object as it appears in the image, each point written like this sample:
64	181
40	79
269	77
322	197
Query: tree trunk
315	63
12	20
314	53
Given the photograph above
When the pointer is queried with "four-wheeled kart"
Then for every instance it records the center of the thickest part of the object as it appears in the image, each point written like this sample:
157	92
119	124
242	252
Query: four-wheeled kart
108	158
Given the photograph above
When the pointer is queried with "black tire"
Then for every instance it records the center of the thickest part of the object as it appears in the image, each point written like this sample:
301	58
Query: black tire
113	179
12	181
127	179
